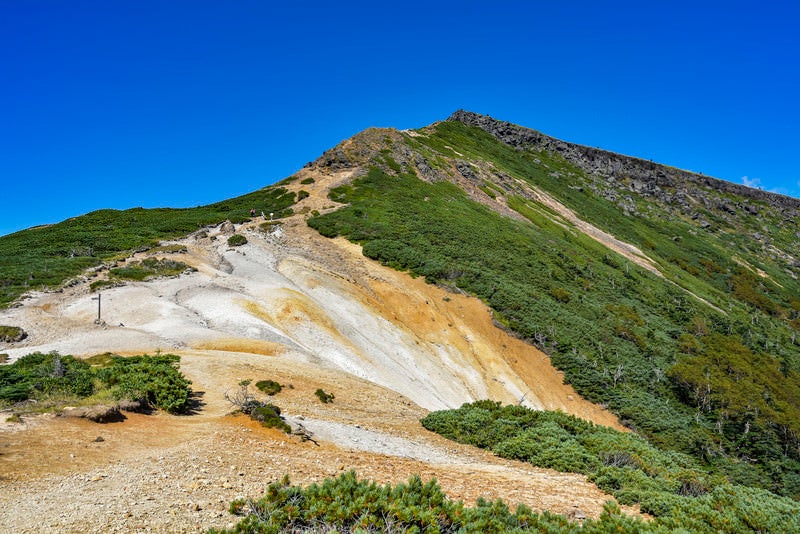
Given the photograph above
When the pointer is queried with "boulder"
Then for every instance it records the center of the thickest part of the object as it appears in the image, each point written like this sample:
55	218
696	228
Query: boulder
227	228
99	413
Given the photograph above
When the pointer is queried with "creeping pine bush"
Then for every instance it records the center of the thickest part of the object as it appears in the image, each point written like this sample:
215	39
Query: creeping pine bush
347	504
153	379
268	414
38	375
668	485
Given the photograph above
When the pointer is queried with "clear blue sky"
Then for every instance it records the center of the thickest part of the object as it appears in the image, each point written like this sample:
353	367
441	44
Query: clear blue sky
117	104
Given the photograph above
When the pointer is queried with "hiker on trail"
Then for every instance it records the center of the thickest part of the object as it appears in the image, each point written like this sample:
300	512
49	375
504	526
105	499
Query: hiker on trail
253	212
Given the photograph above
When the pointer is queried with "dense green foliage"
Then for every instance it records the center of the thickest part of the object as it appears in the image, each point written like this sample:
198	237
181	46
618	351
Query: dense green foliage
670	486
270	387
237	240
347	504
155	380
47	256
623	336
40	374
269	415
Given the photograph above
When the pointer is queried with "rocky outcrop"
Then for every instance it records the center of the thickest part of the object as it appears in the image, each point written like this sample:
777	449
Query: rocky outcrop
643	176
12	334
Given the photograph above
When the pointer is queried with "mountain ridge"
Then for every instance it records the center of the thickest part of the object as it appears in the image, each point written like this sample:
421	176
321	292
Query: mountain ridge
609	163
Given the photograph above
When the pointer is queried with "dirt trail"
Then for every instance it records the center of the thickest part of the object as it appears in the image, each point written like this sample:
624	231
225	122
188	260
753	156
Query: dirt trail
178	474
306	311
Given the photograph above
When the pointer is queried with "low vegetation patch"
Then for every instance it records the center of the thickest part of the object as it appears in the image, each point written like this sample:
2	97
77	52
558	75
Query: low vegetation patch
349	504
670	486
237	240
57	380
270	387
168	249
149	268
323	397
268	414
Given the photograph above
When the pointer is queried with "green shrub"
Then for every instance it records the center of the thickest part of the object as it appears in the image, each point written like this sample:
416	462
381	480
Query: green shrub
237	240
41	375
153	379
347	504
269	416
325	398
270	387
561	295
302	194
306	181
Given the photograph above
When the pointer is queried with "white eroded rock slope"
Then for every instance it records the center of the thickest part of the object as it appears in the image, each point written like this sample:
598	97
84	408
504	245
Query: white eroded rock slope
306	298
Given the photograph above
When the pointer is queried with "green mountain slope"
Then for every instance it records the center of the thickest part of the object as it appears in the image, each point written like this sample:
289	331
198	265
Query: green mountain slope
698	354
44	257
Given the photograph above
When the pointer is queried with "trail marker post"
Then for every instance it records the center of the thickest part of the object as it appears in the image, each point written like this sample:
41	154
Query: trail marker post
98	298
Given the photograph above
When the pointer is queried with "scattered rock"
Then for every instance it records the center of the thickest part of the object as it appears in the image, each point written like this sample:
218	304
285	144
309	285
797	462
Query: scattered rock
99	413
136	406
576	514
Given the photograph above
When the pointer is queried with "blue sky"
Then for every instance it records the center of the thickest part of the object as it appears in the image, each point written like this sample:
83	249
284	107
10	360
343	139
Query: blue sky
180	103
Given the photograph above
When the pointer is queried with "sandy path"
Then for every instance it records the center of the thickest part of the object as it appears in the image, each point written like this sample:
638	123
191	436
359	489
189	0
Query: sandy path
178	474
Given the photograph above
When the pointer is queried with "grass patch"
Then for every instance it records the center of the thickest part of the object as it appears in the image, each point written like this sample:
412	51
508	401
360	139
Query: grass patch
11	334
